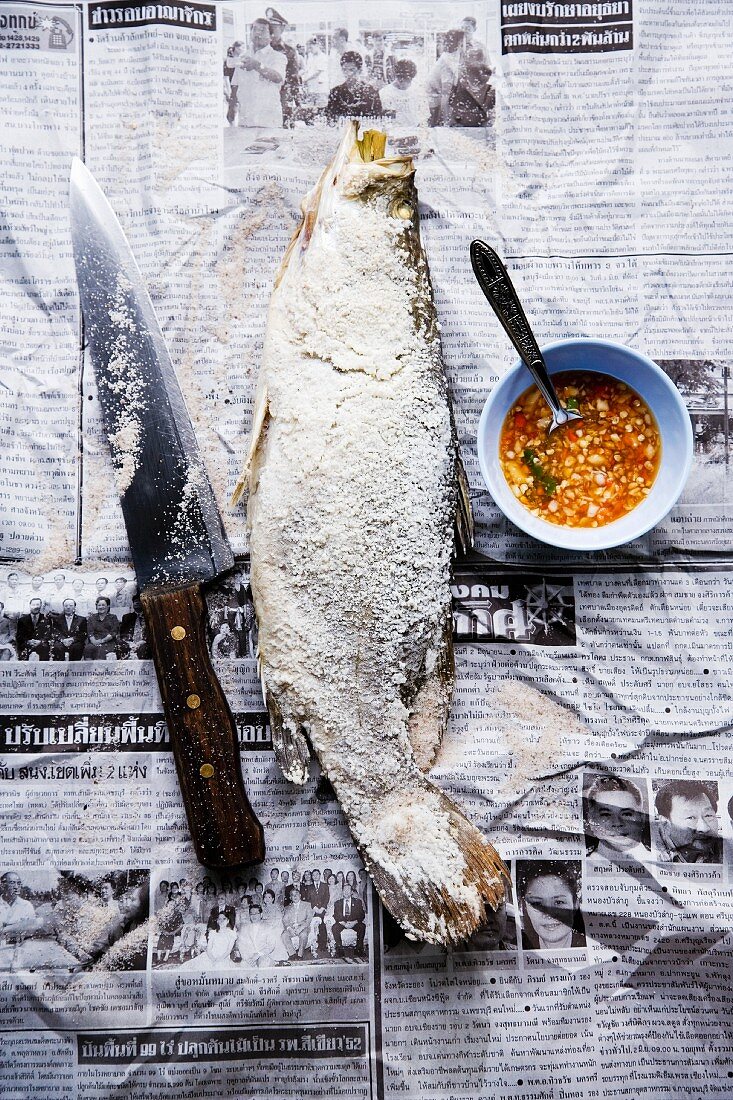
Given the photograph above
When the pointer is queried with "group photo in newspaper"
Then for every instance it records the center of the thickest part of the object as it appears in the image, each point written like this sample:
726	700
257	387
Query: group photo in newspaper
590	729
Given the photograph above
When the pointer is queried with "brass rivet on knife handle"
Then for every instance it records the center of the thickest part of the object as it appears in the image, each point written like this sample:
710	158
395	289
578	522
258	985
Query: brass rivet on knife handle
178	633
224	828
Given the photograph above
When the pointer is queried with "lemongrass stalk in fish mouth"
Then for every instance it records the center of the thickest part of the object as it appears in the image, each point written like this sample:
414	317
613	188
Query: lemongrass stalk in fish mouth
355	492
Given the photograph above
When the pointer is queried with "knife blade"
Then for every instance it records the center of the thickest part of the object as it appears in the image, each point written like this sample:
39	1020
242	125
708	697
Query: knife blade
174	528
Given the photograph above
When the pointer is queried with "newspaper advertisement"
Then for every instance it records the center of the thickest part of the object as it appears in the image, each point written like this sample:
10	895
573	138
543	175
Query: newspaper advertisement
591	730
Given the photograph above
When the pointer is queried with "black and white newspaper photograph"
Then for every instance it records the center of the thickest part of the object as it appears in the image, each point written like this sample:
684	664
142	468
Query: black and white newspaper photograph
291	78
366	550
283	916
423	64
65	920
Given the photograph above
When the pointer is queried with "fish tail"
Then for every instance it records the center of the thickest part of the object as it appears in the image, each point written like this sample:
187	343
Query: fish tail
433	869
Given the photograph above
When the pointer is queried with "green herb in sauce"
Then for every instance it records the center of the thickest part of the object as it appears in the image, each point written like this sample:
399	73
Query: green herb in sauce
547	481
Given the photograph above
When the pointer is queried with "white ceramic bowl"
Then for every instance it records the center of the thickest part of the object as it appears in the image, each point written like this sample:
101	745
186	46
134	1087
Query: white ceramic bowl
662	397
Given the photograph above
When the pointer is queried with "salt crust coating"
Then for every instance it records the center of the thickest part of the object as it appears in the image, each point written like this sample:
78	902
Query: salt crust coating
351	511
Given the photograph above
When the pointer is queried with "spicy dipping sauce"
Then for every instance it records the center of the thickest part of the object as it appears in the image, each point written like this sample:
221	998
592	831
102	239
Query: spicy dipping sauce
591	471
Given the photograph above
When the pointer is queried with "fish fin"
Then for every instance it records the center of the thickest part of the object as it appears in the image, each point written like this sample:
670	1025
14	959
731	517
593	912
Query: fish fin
464	513
433	869
431	706
259	428
292	751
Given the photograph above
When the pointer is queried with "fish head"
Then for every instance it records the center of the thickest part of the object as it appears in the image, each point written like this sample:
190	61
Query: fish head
359	172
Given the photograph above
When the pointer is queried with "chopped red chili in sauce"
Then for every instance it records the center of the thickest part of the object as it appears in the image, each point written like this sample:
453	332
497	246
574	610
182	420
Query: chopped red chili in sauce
592	471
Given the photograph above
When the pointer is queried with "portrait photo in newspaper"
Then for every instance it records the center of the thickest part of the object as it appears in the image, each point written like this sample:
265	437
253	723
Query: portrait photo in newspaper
63	920
686	823
281	916
548	896
616	819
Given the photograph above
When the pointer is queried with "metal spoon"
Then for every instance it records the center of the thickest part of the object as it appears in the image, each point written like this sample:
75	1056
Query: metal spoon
494	280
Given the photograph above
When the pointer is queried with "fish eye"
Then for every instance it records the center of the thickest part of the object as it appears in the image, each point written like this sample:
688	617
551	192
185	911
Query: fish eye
402	210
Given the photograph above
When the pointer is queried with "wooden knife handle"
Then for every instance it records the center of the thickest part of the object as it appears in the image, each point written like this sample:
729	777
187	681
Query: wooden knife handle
224	827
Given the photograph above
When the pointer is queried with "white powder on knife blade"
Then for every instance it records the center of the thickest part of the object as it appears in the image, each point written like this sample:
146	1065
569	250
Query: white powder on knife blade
186	531
126	443
124	381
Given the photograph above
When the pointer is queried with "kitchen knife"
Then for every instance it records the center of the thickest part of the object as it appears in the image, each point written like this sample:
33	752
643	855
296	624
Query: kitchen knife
173	524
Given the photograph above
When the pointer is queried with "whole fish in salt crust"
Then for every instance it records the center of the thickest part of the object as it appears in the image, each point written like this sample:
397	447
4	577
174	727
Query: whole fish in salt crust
355	488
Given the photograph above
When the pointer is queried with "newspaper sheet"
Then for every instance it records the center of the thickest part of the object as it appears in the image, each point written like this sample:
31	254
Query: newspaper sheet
591	734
